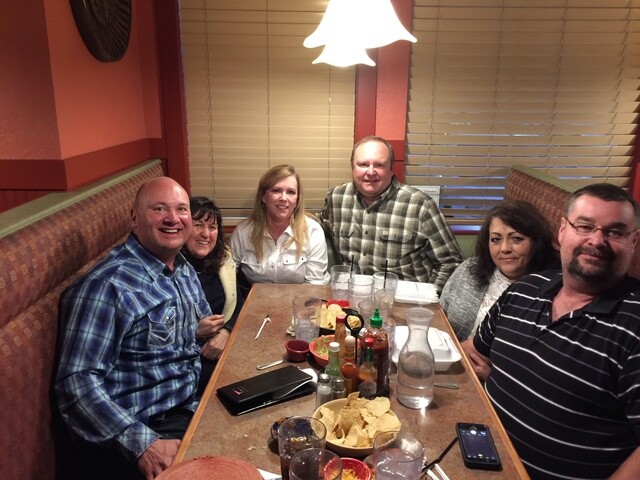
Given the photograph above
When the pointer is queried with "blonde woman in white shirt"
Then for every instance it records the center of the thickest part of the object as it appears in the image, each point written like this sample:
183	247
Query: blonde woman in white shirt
280	242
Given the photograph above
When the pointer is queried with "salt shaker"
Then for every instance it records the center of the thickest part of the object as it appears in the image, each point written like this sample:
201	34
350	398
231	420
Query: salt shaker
324	393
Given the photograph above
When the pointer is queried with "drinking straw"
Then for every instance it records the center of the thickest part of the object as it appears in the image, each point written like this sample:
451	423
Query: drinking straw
386	267
352	264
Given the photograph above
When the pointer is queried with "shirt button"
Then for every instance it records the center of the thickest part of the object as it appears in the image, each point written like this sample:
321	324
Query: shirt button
366	232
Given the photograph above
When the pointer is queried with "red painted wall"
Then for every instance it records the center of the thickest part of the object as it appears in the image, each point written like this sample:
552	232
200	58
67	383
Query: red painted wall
67	119
27	108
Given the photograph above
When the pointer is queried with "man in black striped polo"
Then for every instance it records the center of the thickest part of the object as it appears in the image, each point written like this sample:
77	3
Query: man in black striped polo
560	351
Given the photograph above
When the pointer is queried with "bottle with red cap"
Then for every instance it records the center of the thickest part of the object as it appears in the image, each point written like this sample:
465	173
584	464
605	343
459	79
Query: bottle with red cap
367	373
380	352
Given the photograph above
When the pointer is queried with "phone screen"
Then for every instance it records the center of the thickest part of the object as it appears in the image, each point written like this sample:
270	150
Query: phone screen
477	446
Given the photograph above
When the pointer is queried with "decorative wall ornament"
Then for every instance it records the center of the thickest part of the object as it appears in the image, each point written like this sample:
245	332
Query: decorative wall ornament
104	25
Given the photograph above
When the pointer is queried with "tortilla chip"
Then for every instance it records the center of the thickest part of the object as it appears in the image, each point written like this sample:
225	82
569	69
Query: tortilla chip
379	406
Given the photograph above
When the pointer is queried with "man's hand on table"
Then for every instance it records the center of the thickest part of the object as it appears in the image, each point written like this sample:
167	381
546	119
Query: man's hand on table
209	326
157	458
213	348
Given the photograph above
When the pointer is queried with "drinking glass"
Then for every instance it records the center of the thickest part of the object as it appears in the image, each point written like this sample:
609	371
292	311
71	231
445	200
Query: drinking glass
384	291
340	275
397	456
315	464
365	308
296	434
307	315
389	325
360	288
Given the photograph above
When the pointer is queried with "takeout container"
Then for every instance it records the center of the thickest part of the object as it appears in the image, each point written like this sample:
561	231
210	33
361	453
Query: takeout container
342	450
444	351
297	350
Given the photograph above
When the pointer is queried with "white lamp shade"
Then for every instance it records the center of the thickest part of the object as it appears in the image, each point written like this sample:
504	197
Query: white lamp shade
361	24
383	25
340	55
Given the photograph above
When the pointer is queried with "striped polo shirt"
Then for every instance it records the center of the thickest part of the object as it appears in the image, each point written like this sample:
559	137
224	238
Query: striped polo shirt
567	392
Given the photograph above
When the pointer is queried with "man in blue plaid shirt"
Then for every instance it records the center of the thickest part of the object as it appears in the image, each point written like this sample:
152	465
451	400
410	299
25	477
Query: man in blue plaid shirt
375	221
129	362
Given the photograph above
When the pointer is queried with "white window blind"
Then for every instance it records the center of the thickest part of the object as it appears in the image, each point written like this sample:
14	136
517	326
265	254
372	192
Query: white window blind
550	84
254	100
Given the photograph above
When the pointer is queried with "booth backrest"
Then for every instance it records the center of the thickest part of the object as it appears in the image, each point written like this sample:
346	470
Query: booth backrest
44	246
550	196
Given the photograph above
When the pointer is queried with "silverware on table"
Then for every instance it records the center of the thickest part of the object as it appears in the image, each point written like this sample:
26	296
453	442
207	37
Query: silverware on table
452	386
269	365
264	322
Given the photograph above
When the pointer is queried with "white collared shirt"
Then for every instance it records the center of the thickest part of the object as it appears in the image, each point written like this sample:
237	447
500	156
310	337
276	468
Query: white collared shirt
279	263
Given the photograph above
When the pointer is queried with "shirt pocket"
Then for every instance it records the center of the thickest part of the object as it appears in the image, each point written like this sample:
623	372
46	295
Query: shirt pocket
291	264
346	232
396	235
251	261
162	328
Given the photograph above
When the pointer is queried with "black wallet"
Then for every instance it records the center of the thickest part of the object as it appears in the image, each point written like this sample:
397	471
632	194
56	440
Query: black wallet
265	389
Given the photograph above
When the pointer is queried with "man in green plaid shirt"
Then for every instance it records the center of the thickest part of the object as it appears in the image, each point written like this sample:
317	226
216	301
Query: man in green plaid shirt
376	222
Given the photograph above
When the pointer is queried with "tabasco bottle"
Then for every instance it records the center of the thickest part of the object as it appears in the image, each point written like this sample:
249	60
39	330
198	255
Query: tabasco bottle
349	369
367	373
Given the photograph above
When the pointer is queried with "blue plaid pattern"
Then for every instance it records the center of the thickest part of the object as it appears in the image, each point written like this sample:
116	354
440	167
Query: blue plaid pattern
129	349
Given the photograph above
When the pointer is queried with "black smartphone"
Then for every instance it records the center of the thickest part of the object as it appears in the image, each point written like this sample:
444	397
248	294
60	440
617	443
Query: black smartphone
477	447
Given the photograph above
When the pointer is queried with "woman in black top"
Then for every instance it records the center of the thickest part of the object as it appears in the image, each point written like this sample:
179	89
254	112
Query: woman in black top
208	251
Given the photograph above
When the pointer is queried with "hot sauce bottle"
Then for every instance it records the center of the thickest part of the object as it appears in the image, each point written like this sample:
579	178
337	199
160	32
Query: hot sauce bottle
349	369
380	353
340	334
367	373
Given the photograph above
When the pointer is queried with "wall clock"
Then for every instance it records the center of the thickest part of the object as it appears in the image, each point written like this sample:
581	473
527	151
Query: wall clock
104	26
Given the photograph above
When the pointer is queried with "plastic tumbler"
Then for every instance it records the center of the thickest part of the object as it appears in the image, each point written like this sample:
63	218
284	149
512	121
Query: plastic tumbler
296	434
397	455
315	464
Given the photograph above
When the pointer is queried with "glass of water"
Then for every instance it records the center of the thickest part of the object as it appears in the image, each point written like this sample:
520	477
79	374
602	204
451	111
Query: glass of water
307	314
384	291
360	289
397	455
340	275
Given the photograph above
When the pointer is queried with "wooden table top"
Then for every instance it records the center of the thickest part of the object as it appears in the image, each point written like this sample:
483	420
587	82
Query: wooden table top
214	431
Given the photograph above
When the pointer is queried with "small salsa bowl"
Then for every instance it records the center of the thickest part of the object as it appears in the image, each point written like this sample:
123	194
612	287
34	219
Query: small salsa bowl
319	348
360	470
297	350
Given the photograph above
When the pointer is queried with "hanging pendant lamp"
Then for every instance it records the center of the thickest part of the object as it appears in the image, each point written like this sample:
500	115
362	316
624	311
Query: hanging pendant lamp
349	27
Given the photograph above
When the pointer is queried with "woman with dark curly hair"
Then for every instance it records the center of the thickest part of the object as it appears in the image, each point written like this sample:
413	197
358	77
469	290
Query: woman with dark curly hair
208	251
515	240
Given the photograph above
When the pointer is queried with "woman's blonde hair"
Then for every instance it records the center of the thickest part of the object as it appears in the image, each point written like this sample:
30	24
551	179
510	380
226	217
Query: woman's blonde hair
259	217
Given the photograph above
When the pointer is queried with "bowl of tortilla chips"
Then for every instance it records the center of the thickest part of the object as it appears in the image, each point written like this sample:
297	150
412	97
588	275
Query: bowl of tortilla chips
352	423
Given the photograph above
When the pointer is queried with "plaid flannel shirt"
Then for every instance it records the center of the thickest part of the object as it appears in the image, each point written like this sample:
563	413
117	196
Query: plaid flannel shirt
403	226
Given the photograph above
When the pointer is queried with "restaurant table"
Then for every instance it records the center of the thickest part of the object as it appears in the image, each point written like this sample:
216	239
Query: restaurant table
214	431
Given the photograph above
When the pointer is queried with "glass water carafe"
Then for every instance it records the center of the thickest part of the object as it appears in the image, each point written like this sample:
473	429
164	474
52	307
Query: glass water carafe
416	364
